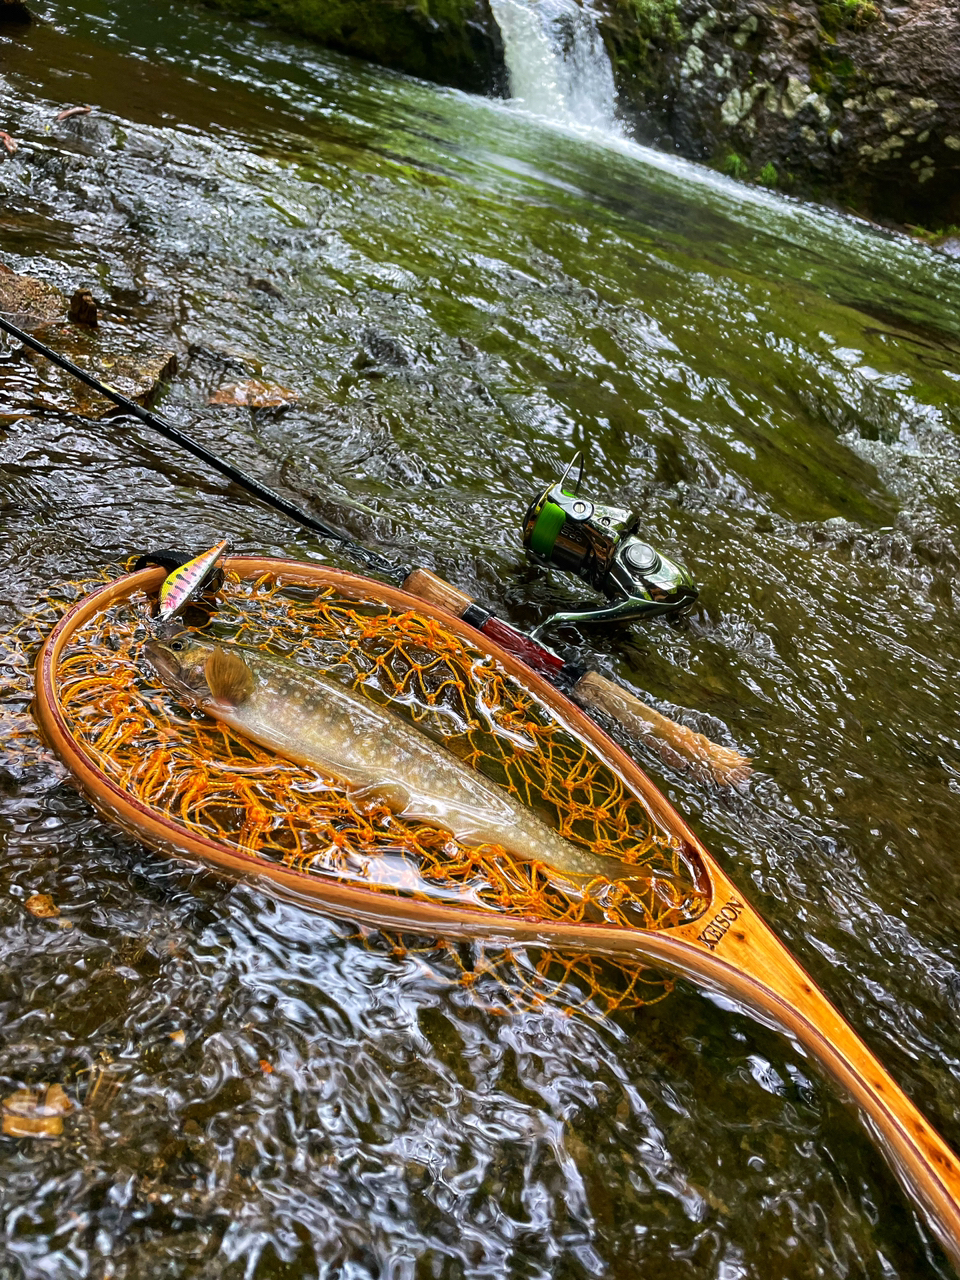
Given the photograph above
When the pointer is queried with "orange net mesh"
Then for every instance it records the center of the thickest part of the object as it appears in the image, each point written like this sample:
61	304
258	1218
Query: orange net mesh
520	979
215	784
22	750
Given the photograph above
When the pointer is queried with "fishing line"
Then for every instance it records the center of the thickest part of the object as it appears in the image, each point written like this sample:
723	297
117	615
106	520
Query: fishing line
387	568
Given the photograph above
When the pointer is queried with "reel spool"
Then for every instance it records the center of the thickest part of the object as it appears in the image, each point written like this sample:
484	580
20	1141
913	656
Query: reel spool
602	546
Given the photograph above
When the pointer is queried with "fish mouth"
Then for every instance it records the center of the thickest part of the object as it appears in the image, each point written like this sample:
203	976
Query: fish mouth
162	660
174	672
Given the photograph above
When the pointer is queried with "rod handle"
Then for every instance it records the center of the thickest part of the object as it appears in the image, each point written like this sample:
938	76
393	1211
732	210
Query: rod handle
426	585
736	953
596	693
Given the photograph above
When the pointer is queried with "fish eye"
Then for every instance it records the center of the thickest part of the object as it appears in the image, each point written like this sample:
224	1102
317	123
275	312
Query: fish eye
177	646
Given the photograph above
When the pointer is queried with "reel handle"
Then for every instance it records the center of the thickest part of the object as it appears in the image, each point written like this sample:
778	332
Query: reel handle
592	690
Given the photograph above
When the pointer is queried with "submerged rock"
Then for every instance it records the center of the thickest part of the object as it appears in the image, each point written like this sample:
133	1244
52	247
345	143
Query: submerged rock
455	42
254	394
108	351
27	302
42	906
29	1114
855	100
136	371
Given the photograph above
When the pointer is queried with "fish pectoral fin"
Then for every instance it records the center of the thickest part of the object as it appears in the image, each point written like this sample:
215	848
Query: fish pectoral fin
377	795
228	677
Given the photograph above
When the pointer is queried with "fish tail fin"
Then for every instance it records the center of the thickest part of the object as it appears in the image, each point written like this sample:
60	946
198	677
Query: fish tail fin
229	679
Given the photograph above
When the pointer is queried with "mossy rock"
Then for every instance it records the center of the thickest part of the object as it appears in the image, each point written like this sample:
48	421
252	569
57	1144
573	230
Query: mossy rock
638	33
854	101
455	42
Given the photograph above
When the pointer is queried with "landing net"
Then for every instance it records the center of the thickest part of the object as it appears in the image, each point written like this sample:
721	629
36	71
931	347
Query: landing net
215	784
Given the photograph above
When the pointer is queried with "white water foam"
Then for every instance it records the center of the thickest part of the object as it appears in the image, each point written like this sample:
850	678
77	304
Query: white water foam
557	63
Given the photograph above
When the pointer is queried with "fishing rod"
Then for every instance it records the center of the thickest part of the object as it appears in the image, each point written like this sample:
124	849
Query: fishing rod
598	543
371	559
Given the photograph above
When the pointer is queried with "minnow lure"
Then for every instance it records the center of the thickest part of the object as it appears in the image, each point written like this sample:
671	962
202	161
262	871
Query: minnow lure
182	585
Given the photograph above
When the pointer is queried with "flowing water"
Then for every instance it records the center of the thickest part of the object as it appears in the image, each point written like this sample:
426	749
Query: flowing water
462	296
557	63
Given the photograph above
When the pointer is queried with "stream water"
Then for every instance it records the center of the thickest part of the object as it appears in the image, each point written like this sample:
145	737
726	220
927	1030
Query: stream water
462	296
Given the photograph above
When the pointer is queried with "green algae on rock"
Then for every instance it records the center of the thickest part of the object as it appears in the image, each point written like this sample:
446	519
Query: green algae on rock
454	42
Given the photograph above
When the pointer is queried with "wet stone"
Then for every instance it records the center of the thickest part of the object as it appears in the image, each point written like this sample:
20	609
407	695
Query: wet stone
14	12
254	394
83	308
27	302
28	1114
31	382
137	373
42	906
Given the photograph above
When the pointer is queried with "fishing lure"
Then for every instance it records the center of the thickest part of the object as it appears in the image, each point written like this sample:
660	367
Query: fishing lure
180	587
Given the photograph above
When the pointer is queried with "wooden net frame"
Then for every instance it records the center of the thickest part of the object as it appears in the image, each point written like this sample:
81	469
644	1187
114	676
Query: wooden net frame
210	783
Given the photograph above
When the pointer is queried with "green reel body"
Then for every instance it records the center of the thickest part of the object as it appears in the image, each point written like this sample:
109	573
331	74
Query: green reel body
601	545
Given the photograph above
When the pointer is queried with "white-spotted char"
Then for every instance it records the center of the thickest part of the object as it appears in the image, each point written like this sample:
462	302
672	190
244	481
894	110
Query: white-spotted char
311	719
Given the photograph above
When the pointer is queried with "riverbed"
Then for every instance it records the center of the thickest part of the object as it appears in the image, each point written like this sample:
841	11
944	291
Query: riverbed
463	296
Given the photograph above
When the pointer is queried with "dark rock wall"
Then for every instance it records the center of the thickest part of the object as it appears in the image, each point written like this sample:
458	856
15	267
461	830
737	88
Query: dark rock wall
455	42
853	100
14	11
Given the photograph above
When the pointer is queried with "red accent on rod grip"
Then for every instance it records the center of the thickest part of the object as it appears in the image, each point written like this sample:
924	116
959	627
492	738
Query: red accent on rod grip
522	646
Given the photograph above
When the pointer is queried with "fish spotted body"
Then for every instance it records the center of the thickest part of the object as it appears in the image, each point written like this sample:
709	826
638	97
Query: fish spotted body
313	720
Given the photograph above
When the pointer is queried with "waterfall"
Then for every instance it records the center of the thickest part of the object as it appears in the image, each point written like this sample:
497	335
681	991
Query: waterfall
557	62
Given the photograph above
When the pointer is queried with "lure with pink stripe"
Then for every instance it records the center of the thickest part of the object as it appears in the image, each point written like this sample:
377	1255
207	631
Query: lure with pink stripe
183	584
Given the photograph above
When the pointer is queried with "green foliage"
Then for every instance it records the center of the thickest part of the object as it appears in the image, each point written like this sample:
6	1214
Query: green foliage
838	14
861	12
657	19
768	174
735	165
831	71
638	34
931	235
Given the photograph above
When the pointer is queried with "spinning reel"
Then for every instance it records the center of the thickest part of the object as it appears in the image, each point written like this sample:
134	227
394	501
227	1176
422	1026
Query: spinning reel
601	545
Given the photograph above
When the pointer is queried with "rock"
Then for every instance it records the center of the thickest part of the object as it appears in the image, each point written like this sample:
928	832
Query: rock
106	351
83	309
853	100
42	906
27	1115
254	395
14	11
381	348
136	372
28	303
455	42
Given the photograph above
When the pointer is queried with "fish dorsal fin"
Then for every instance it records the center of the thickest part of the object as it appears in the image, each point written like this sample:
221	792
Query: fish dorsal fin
229	679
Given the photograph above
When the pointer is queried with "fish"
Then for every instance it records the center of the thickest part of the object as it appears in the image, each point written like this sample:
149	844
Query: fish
312	719
180	586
